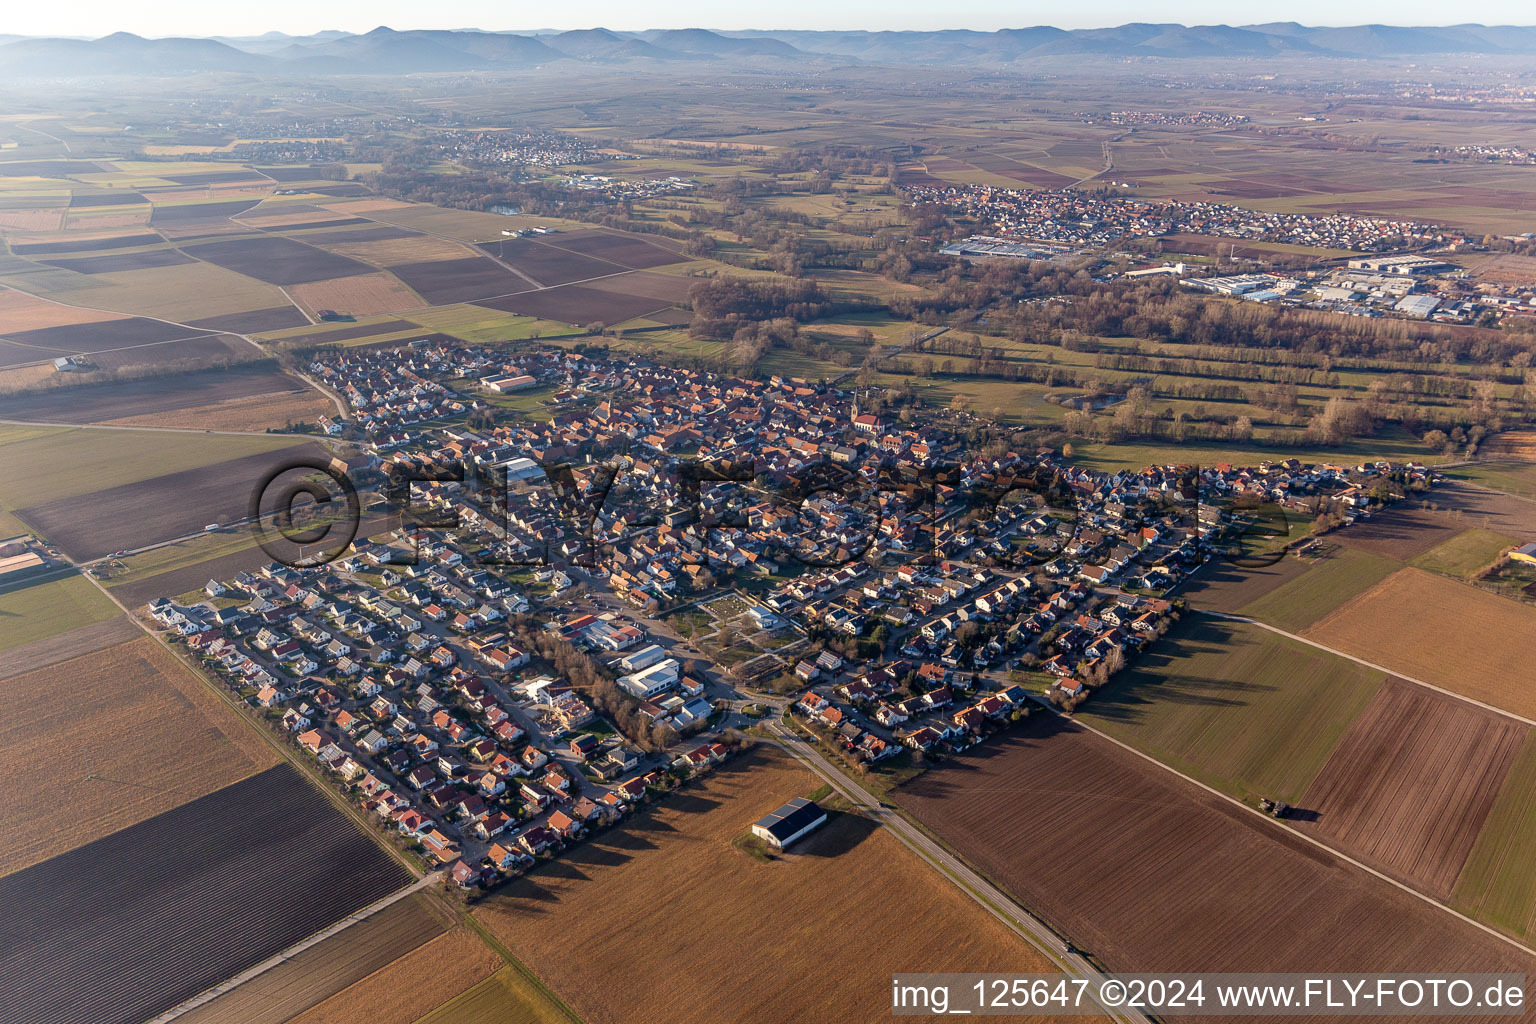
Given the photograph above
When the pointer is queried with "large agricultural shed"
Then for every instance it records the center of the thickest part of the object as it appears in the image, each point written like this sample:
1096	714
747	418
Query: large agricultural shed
793	821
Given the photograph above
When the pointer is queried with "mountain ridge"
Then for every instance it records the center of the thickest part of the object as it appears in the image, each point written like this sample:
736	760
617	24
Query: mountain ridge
385	50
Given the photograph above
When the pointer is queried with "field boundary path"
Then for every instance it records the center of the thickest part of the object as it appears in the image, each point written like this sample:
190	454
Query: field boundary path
1277	823
999	904
1230	617
162	430
229	984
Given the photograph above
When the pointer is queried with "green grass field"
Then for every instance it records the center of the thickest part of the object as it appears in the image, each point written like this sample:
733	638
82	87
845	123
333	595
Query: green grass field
10	526
1510	477
506	997
529	403
1235	706
44	464
483	326
1497	883
187	291
1335	579
42	610
1464	554
201	548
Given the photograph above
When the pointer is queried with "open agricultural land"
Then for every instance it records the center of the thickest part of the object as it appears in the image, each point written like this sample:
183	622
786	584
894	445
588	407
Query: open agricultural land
31	611
1457	530
1395	774
431	976
47	464
1473	506
234	265
1138	891
1236	706
184	566
97	741
1411	783
58	647
1435	629
1496	883
198	893
1466	554
1222	586
241	397
181	567
1510	475
355	249
597	898
506	996
97	523
1331	578
328	969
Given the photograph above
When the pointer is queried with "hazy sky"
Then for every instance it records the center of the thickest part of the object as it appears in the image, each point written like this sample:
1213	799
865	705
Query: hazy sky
215	17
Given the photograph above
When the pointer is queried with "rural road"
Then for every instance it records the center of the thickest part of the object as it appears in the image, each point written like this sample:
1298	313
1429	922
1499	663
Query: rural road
989	896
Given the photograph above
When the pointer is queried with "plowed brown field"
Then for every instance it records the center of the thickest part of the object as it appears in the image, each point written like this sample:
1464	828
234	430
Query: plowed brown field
1410	784
106	740
1151	873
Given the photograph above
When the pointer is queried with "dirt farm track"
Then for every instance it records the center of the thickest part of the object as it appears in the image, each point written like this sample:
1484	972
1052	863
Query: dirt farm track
1150	873
124	928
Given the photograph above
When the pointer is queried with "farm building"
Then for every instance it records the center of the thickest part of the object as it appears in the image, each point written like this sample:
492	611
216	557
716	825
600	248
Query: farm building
1524	553
794	820
15	566
17	558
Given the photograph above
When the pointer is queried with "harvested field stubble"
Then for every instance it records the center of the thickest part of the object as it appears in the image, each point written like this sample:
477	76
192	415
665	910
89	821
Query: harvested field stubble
153	735
1443	632
38	654
411	986
20	313
360	295
598	897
